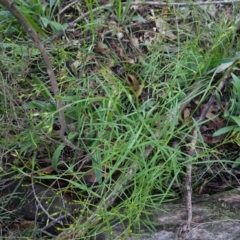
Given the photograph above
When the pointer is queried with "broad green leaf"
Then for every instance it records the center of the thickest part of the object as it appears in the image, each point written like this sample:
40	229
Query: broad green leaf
44	21
6	14
226	63
236	163
224	66
78	185
236	82
56	26
51	4
56	155
223	131
236	120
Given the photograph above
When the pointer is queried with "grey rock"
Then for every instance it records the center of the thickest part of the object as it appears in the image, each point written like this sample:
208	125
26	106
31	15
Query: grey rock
215	217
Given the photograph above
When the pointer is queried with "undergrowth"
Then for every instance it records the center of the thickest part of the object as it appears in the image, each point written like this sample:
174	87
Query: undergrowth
115	118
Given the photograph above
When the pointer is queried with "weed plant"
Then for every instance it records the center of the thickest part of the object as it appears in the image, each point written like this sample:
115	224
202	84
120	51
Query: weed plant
105	116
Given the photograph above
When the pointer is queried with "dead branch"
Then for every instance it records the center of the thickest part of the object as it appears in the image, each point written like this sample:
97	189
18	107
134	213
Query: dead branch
11	7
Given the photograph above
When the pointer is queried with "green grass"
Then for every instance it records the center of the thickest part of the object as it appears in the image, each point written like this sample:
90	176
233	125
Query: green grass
106	117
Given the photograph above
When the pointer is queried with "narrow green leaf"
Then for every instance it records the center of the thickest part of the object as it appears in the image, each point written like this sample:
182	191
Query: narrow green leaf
56	155
34	24
42	88
49	107
97	166
48	125
236	82
72	135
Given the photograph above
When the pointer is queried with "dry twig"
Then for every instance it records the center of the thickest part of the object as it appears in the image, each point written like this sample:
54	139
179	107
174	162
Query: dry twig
186	227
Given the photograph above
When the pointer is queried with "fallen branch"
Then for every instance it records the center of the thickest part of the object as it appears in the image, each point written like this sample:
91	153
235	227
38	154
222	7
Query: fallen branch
11	7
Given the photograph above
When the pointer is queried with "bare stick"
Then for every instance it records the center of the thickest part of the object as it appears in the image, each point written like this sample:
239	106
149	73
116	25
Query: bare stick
68	6
186	227
33	34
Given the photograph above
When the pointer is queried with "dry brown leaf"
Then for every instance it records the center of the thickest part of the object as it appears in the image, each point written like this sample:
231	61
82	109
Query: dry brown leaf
119	49
186	114
210	115
215	124
151	37
46	170
132	81
22	225
165	11
135	42
212	140
90	176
